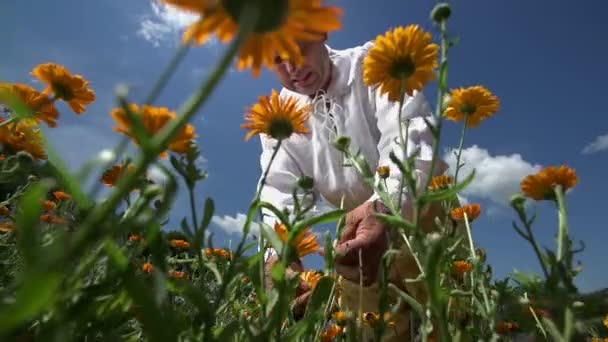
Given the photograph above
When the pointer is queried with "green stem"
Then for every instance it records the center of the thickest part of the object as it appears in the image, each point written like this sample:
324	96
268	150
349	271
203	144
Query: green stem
402	142
460	144
193	207
563	222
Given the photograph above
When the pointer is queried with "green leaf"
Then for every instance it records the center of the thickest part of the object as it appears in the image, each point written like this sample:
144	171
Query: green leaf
320	295
297	331
228	332
440	195
37	292
397	162
417	307
208	213
328	217
395	221
271	236
278	213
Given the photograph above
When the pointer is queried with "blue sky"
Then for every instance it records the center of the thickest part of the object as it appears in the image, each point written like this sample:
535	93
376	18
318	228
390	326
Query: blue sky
543	60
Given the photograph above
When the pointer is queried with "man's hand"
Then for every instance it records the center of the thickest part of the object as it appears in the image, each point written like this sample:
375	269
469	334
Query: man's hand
366	233
302	293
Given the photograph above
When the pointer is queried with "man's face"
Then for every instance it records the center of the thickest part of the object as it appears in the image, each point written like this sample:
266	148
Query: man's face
309	77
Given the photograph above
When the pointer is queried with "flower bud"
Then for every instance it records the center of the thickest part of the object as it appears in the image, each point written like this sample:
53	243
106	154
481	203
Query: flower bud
306	182
441	12
342	143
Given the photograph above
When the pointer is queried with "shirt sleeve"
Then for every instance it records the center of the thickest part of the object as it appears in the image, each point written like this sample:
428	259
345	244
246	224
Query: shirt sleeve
419	138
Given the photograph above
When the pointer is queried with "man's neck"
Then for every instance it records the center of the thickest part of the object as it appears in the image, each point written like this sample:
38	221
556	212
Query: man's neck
327	83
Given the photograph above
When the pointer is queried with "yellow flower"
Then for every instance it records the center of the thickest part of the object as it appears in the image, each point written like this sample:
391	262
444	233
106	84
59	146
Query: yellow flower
73	89
606	321
111	176
476	103
278	32
472	212
154	120
461	267
384	171
540	186
23	135
340	317
401	60
441	182
305	242
331	333
311	277
40	104
277	117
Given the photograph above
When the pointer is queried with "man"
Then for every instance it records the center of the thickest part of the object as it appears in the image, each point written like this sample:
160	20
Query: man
332	82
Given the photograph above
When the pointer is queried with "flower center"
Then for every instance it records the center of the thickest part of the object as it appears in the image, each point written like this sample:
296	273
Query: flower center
402	69
280	128
468	109
62	91
274	13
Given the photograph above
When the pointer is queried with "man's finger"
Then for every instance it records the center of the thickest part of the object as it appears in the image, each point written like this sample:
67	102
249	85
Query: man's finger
348	252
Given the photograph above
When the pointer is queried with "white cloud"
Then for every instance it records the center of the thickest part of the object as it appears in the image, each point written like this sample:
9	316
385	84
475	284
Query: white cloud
234	225
599	144
496	177
164	24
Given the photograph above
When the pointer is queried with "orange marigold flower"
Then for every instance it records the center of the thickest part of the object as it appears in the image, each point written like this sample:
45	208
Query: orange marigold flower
540	186
62	196
506	327
276	116
384	171
111	176
2	157
331	333
180	244
305	242
606	321
49	205
208	252
147	267
441	182
278	33
52	219
473	211
4	211
7	226
154	120
135	238
222	253
24	135
472	104
311	277
177	274
40	104
461	267
73	89
402	60
371	318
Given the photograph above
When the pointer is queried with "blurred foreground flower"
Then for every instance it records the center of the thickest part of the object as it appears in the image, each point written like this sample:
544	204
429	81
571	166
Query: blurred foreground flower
40	104
311	277
475	103
73	89
154	120
540	186
24	135
331	333
111	176
276	117
280	27
461	267
305	242
402	60
441	182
